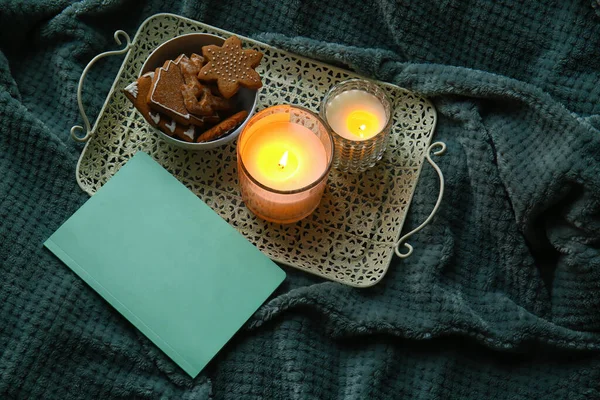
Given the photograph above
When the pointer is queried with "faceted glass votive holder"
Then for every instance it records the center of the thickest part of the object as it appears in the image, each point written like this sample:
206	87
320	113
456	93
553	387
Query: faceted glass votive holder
356	154
278	127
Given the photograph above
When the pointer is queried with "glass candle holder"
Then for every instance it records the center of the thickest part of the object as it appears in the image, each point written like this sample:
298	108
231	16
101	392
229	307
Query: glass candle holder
358	112
284	155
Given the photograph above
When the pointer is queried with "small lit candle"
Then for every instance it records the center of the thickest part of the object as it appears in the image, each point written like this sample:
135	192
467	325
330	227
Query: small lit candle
356	115
359	113
283	164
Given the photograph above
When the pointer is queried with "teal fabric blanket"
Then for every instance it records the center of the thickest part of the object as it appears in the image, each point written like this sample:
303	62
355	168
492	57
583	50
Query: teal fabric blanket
501	298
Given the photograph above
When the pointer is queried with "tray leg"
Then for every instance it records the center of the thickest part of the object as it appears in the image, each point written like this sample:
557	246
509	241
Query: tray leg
86	121
402	240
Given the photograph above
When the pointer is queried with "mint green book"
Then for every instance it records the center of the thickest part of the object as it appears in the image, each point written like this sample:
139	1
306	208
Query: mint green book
166	261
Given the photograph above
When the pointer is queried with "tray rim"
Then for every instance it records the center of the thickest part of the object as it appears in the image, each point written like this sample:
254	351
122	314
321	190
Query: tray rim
418	168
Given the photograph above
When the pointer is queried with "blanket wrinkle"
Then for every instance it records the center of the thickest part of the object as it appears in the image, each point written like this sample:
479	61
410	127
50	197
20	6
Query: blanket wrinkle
339	325
366	61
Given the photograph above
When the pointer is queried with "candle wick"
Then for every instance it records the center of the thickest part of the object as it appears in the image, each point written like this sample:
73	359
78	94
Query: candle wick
283	160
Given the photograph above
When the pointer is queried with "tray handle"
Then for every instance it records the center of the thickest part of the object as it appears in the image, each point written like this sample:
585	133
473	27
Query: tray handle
403	239
119	35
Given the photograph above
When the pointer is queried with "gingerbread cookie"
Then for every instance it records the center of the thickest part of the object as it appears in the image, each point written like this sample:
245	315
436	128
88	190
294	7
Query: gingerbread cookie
231	67
223	128
197	59
176	61
137	93
186	133
199	99
165	95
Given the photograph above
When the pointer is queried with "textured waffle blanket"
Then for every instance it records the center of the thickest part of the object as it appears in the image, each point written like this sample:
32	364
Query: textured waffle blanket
501	298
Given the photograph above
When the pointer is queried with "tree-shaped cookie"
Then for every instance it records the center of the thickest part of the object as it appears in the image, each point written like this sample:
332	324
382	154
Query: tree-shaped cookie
165	94
231	66
137	93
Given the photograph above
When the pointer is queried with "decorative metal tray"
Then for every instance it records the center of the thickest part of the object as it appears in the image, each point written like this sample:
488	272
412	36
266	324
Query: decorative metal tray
353	234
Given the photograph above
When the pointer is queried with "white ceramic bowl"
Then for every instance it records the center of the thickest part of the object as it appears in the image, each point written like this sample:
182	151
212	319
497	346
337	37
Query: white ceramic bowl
244	99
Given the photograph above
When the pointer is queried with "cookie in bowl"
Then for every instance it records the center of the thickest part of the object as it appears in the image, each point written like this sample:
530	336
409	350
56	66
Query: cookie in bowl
197	90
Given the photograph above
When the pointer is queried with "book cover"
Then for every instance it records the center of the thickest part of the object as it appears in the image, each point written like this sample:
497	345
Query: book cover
166	261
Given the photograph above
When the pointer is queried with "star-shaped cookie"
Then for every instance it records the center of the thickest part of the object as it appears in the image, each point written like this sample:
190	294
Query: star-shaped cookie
231	67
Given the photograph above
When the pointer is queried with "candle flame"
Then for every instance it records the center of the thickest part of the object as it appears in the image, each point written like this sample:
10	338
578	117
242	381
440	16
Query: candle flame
283	160
362	127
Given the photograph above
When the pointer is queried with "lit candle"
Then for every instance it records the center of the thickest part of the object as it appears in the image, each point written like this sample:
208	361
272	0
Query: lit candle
356	115
360	116
284	156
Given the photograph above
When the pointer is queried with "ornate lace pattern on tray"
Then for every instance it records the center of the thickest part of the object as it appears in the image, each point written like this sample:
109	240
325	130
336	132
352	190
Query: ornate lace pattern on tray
351	235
